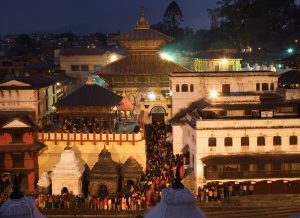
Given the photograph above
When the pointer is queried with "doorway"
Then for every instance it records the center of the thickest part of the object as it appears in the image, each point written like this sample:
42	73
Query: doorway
158	115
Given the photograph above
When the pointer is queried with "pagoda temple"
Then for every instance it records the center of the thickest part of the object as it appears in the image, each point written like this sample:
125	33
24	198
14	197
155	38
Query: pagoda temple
143	74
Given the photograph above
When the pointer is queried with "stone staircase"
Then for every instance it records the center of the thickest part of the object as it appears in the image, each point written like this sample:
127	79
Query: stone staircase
258	206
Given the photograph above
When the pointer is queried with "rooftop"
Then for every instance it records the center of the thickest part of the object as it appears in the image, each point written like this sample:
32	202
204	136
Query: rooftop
223	74
91	95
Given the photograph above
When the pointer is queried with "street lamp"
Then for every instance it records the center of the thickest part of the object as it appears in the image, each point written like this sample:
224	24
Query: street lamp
290	50
151	96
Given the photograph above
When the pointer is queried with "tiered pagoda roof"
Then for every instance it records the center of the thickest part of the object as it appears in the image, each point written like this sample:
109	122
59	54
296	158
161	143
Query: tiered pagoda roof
142	44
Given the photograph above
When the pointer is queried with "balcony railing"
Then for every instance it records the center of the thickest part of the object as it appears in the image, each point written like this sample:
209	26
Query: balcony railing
253	174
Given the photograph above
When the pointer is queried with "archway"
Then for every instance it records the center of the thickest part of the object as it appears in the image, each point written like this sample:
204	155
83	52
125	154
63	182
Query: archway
158	114
64	190
103	191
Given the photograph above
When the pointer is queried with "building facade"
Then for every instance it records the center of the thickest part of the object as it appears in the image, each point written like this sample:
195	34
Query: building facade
19	149
35	95
80	62
237	127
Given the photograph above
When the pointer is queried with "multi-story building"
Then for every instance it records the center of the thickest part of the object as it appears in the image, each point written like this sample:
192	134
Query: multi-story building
80	62
35	95
143	75
237	127
19	150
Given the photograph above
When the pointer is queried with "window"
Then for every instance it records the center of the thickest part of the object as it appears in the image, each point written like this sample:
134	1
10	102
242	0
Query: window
17	137
84	67
18	160
226	89
217	68
277	140
97	67
191	87
265	87
184	88
74	67
272	86
212	168
293	140
245	141
177	88
212	142
257	87
228	141
230	67
260	141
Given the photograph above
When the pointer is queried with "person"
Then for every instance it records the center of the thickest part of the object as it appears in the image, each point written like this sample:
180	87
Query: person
251	189
230	190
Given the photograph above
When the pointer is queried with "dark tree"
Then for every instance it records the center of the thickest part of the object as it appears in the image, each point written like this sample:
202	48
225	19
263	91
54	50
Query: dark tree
255	22
173	16
171	22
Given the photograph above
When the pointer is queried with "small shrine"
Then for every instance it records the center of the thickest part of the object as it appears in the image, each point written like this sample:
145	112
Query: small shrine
44	183
104	175
131	172
125	109
67	174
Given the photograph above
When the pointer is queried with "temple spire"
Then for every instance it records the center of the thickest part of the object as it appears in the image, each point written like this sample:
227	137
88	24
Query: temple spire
142	23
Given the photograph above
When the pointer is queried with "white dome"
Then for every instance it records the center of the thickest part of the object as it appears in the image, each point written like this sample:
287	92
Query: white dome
175	203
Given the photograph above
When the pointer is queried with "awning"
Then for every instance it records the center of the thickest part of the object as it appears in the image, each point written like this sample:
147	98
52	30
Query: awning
251	158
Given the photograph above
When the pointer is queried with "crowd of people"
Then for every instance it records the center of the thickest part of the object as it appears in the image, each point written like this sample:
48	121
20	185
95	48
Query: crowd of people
220	192
74	124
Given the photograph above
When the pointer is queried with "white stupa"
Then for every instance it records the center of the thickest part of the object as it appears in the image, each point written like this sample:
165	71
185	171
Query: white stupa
176	202
44	182
68	173
18	206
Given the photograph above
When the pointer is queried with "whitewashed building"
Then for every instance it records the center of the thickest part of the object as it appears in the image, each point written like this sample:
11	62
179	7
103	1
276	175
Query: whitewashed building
237	127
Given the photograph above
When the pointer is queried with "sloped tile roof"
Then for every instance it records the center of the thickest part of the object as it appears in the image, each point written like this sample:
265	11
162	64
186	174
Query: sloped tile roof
141	65
91	95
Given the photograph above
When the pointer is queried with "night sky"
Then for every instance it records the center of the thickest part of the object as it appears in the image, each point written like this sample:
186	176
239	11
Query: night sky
85	16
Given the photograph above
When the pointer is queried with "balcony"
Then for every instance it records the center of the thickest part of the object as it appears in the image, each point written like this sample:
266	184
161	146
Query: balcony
253	175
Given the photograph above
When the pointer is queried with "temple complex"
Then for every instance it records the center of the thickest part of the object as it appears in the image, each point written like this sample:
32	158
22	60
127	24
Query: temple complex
143	74
67	174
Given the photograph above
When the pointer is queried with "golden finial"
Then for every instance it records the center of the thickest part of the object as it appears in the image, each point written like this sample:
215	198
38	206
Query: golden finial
142	23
